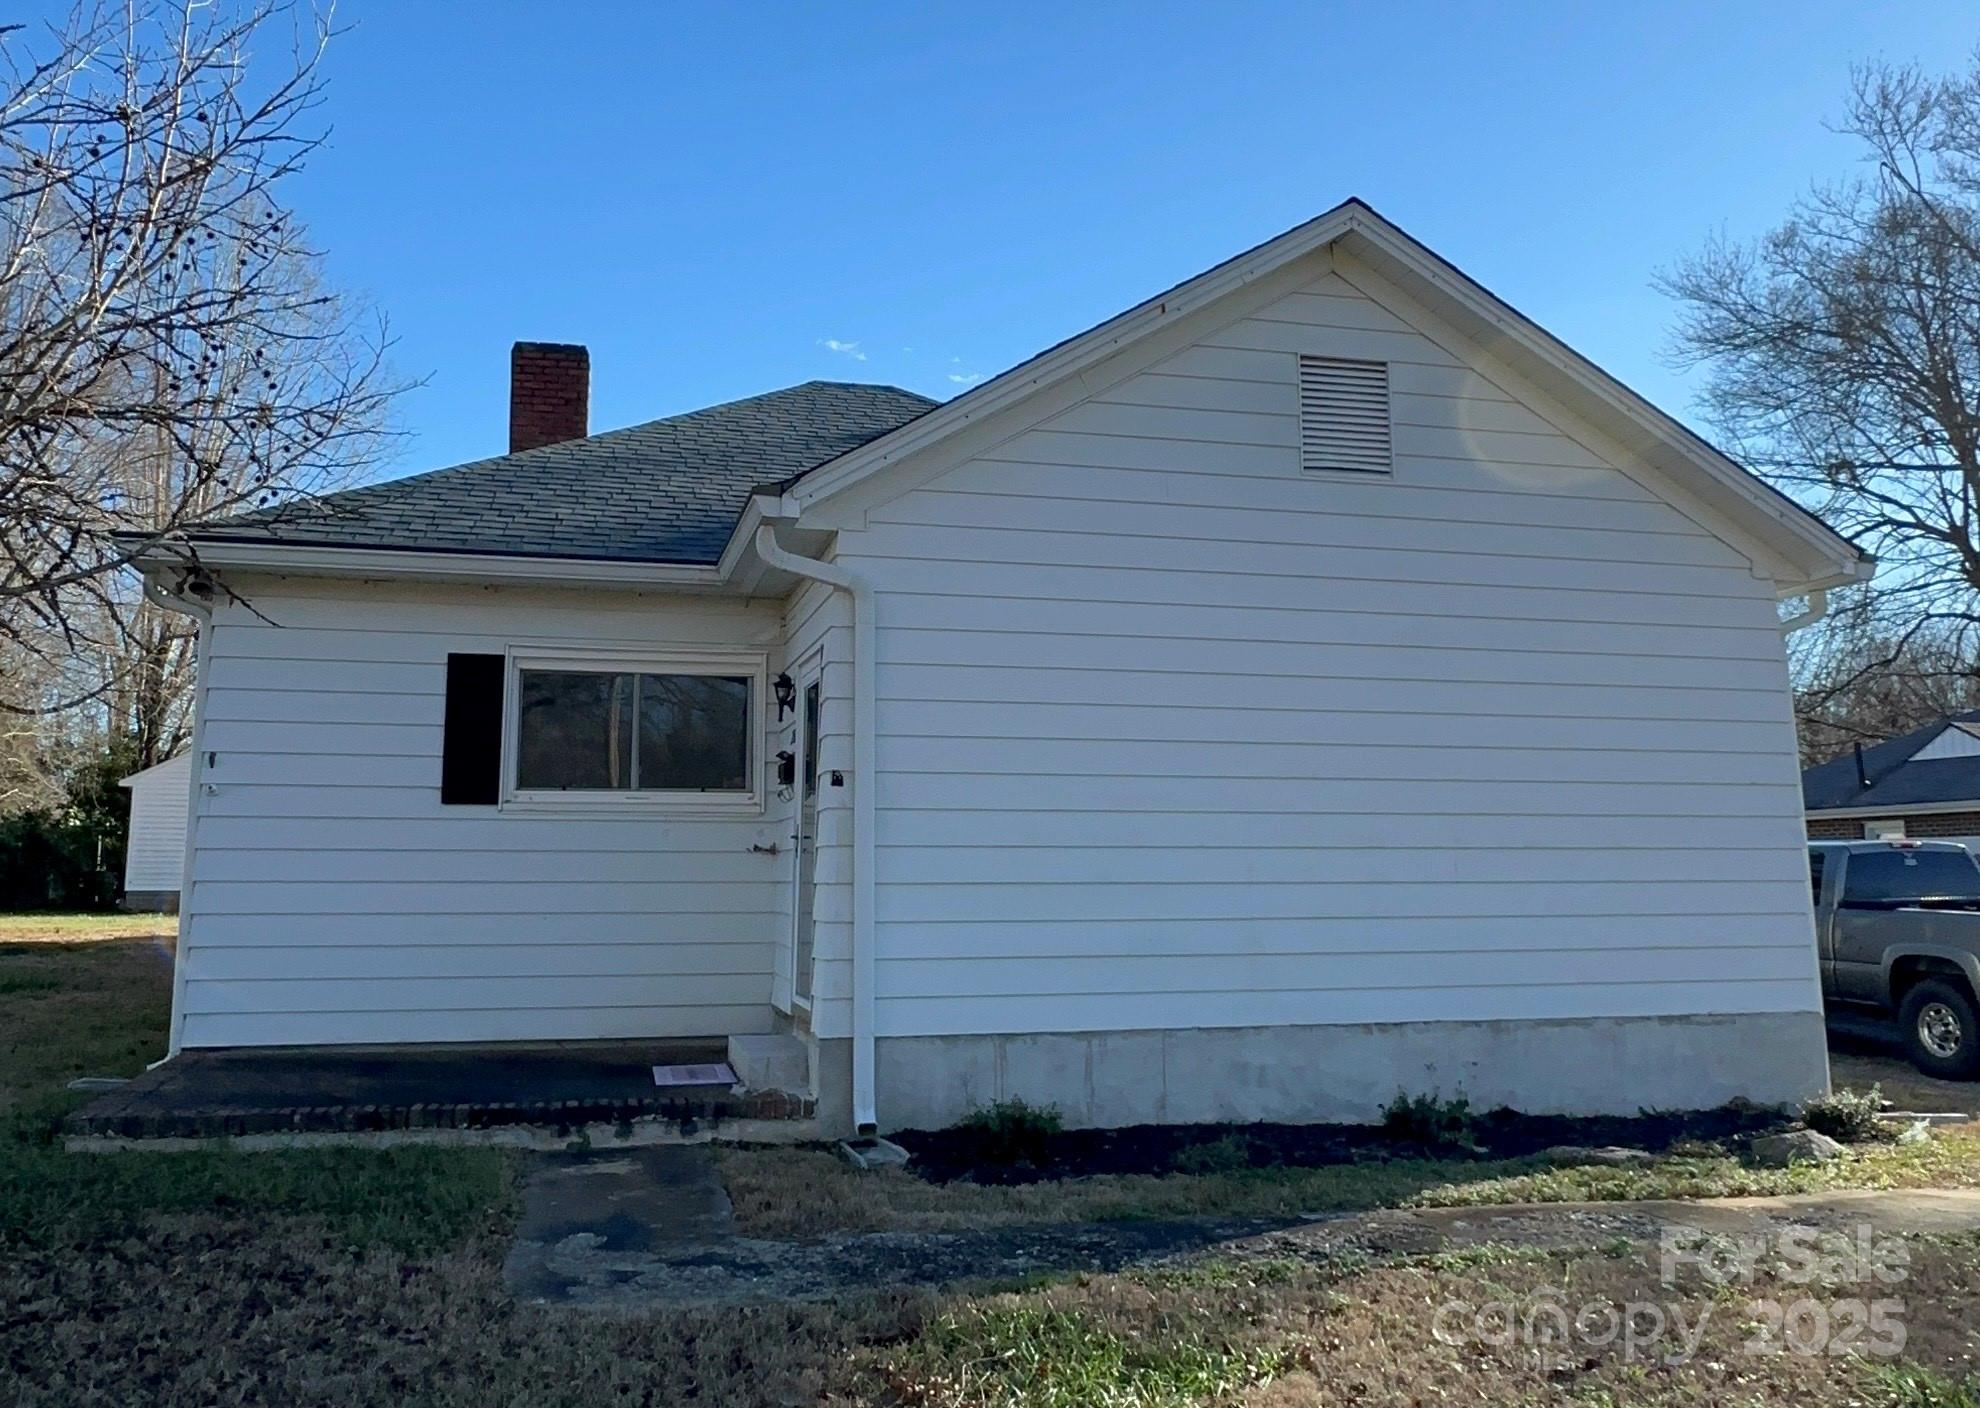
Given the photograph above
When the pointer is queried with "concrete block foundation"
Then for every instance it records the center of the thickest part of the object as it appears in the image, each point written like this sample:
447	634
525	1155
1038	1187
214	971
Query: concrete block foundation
1340	1074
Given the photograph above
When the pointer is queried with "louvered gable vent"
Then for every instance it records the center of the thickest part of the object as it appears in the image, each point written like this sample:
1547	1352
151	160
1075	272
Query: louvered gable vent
1343	414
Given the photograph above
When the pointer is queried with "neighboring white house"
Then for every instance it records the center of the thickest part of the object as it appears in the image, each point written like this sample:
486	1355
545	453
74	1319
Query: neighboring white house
1315	682
155	855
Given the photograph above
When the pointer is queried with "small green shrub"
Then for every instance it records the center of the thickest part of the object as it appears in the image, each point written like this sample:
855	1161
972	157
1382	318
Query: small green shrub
1852	1116
1226	1155
1014	1131
1430	1120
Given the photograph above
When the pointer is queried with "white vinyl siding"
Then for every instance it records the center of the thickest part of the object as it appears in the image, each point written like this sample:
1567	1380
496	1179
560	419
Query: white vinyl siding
335	899
155	856
1952	742
1174	734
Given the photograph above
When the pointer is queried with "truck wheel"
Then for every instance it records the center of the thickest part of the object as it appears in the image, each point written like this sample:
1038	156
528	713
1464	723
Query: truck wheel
1941	1029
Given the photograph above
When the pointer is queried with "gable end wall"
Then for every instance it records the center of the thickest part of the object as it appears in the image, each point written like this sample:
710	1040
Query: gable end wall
1173	736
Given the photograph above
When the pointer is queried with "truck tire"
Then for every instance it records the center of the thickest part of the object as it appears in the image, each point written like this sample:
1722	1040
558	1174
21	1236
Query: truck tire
1941	1029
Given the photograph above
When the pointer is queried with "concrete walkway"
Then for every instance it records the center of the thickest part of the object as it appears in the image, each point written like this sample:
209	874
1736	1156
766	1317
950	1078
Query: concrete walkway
648	1228
1417	1231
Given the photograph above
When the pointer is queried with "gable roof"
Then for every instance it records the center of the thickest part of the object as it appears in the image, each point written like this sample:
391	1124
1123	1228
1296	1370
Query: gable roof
1805	553
666	491
670	499
1898	777
178	762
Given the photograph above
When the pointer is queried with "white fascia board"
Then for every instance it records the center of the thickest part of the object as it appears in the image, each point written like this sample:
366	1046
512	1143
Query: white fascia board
316	561
1894	809
740	537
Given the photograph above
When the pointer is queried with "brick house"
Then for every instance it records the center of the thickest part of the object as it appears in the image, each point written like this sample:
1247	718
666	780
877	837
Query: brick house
1925	784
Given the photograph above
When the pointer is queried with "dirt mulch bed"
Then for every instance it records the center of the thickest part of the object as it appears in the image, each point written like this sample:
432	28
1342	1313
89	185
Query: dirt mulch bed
965	1154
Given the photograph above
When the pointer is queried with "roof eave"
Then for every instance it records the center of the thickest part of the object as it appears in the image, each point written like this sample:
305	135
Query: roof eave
1971	804
322	560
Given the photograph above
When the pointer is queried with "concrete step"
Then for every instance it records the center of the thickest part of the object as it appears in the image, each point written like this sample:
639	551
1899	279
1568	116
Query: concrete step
778	1061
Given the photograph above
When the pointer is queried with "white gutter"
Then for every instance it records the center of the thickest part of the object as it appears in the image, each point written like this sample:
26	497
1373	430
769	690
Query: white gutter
1818	607
201	613
865	688
1898	809
314	560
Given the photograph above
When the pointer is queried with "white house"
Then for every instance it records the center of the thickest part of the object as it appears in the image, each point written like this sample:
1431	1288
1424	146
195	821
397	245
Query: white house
155	855
1315	682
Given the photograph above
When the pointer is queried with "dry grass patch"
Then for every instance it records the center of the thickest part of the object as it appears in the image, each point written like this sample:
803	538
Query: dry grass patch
801	1193
85	928
1294	1335
209	1311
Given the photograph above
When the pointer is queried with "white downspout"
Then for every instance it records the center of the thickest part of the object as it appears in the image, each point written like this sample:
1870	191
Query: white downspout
1818	607
865	687
201	614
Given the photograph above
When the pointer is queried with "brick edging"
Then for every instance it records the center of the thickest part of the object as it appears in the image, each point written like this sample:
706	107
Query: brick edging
564	1116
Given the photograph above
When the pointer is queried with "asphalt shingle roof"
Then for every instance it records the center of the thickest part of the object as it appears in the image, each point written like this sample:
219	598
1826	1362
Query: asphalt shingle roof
1895	780
666	491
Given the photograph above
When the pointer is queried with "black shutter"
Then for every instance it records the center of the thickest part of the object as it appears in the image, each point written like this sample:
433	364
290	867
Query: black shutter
471	746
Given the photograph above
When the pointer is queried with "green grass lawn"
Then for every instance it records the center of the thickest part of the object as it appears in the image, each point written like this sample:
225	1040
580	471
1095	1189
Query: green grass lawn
362	1278
100	1009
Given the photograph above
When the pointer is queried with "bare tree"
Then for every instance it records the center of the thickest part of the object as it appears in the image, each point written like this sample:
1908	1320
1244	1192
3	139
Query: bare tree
1843	352
33	746
169	352
1863	679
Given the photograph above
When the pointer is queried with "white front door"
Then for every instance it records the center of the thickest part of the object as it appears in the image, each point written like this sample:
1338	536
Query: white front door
807	834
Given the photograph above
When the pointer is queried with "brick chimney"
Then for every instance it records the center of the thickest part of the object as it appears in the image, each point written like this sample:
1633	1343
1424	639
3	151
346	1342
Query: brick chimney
549	394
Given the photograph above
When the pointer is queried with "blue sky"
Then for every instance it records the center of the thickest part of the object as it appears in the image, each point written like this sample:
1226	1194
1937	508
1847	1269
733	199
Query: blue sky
707	195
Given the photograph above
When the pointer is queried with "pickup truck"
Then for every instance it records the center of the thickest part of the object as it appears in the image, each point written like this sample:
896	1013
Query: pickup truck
1897	930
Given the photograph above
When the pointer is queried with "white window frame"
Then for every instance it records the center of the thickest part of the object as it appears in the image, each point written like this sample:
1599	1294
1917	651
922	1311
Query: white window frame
753	665
1884	830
